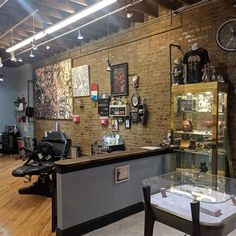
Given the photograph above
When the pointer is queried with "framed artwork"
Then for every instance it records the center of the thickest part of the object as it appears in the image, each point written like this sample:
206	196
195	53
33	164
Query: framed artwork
52	91
80	81
119	80
127	123
114	125
134	116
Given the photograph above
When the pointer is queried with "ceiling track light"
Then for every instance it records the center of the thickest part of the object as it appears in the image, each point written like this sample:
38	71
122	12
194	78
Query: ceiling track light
129	13
80	36
1	78
20	59
108	69
31	53
63	23
47	47
13	58
1	65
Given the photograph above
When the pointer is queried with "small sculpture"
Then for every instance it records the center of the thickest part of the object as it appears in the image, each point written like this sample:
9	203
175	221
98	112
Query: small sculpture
177	74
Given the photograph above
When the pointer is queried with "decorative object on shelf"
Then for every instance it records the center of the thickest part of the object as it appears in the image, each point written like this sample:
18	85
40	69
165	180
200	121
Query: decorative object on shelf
94	92
187	126
135	80
127	123
120	120
76	118
53	93
135	100
114	125
143	113
119	80
80	81
226	35
194	61
177	73
134	116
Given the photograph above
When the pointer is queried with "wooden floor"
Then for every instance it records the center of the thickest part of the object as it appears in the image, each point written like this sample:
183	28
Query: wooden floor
21	215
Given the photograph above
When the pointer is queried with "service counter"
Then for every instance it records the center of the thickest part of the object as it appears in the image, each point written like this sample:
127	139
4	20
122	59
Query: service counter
97	190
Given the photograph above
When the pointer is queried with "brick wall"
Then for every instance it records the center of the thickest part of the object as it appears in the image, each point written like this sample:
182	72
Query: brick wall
145	48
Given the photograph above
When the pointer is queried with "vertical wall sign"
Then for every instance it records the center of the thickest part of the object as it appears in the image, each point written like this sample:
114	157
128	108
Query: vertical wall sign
80	81
52	91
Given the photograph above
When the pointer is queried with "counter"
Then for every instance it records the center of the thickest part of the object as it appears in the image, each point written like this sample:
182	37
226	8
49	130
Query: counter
88	195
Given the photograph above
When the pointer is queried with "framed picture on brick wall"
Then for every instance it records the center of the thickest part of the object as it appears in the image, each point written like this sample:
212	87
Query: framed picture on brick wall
119	80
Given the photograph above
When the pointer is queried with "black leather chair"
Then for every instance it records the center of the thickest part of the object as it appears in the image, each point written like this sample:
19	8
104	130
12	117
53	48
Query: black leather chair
41	163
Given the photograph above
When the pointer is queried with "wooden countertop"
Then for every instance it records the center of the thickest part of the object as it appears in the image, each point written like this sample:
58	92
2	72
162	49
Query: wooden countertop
69	165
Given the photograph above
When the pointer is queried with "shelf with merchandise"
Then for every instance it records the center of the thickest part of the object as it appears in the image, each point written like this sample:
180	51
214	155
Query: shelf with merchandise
198	115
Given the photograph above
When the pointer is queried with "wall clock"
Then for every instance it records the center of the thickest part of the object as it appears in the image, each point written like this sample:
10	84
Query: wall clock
135	100
226	35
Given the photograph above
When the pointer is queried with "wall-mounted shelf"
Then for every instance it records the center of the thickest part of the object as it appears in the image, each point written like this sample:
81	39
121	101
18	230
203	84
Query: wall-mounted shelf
119	110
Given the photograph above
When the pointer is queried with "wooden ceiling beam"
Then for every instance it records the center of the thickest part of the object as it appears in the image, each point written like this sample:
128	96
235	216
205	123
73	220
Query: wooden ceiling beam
80	2
169	4
54	4
147	8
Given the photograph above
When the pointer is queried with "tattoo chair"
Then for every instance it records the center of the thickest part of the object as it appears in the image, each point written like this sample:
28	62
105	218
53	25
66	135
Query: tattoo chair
41	163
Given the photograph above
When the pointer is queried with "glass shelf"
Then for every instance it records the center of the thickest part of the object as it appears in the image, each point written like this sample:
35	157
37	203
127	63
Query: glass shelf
195	185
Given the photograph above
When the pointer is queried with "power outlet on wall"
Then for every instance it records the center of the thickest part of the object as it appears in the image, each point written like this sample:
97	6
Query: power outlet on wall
121	174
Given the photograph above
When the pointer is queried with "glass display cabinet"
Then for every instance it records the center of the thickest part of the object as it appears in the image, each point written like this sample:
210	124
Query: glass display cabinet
198	118
196	203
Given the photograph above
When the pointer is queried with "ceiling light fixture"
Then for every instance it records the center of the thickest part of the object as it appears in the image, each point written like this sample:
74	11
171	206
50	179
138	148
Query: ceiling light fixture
63	23
1	65
47	47
129	14
13	58
1	78
3	3
20	59
31	53
108	69
80	36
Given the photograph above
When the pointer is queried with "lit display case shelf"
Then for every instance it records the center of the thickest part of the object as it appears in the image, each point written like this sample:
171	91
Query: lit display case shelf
198	116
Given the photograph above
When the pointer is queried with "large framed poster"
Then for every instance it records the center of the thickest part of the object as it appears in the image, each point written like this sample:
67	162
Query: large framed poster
52	91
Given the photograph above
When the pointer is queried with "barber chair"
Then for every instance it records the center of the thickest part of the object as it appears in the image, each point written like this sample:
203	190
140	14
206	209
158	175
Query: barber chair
41	163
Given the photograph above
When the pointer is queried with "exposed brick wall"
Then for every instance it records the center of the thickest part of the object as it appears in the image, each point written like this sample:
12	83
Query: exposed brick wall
146	49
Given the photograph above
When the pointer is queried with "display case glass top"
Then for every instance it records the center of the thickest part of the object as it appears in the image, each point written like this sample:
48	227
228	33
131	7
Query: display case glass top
203	187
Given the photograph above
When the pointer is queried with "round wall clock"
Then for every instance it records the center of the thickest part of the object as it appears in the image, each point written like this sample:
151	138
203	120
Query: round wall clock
226	35
135	100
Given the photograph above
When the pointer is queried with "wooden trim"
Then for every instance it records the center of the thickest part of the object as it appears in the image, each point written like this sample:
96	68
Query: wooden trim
100	222
70	166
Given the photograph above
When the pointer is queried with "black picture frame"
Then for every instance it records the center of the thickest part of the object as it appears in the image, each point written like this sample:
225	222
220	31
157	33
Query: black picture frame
127	123
119	80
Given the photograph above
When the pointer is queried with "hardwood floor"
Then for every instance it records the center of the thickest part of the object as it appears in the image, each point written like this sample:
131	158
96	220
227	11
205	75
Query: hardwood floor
21	215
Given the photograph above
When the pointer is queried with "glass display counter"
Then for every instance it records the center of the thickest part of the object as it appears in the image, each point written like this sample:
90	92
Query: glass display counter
193	202
198	118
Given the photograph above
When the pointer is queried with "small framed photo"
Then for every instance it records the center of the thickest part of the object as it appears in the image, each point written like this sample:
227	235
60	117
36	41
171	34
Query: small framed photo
119	80
127	123
134	116
114	125
121	174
